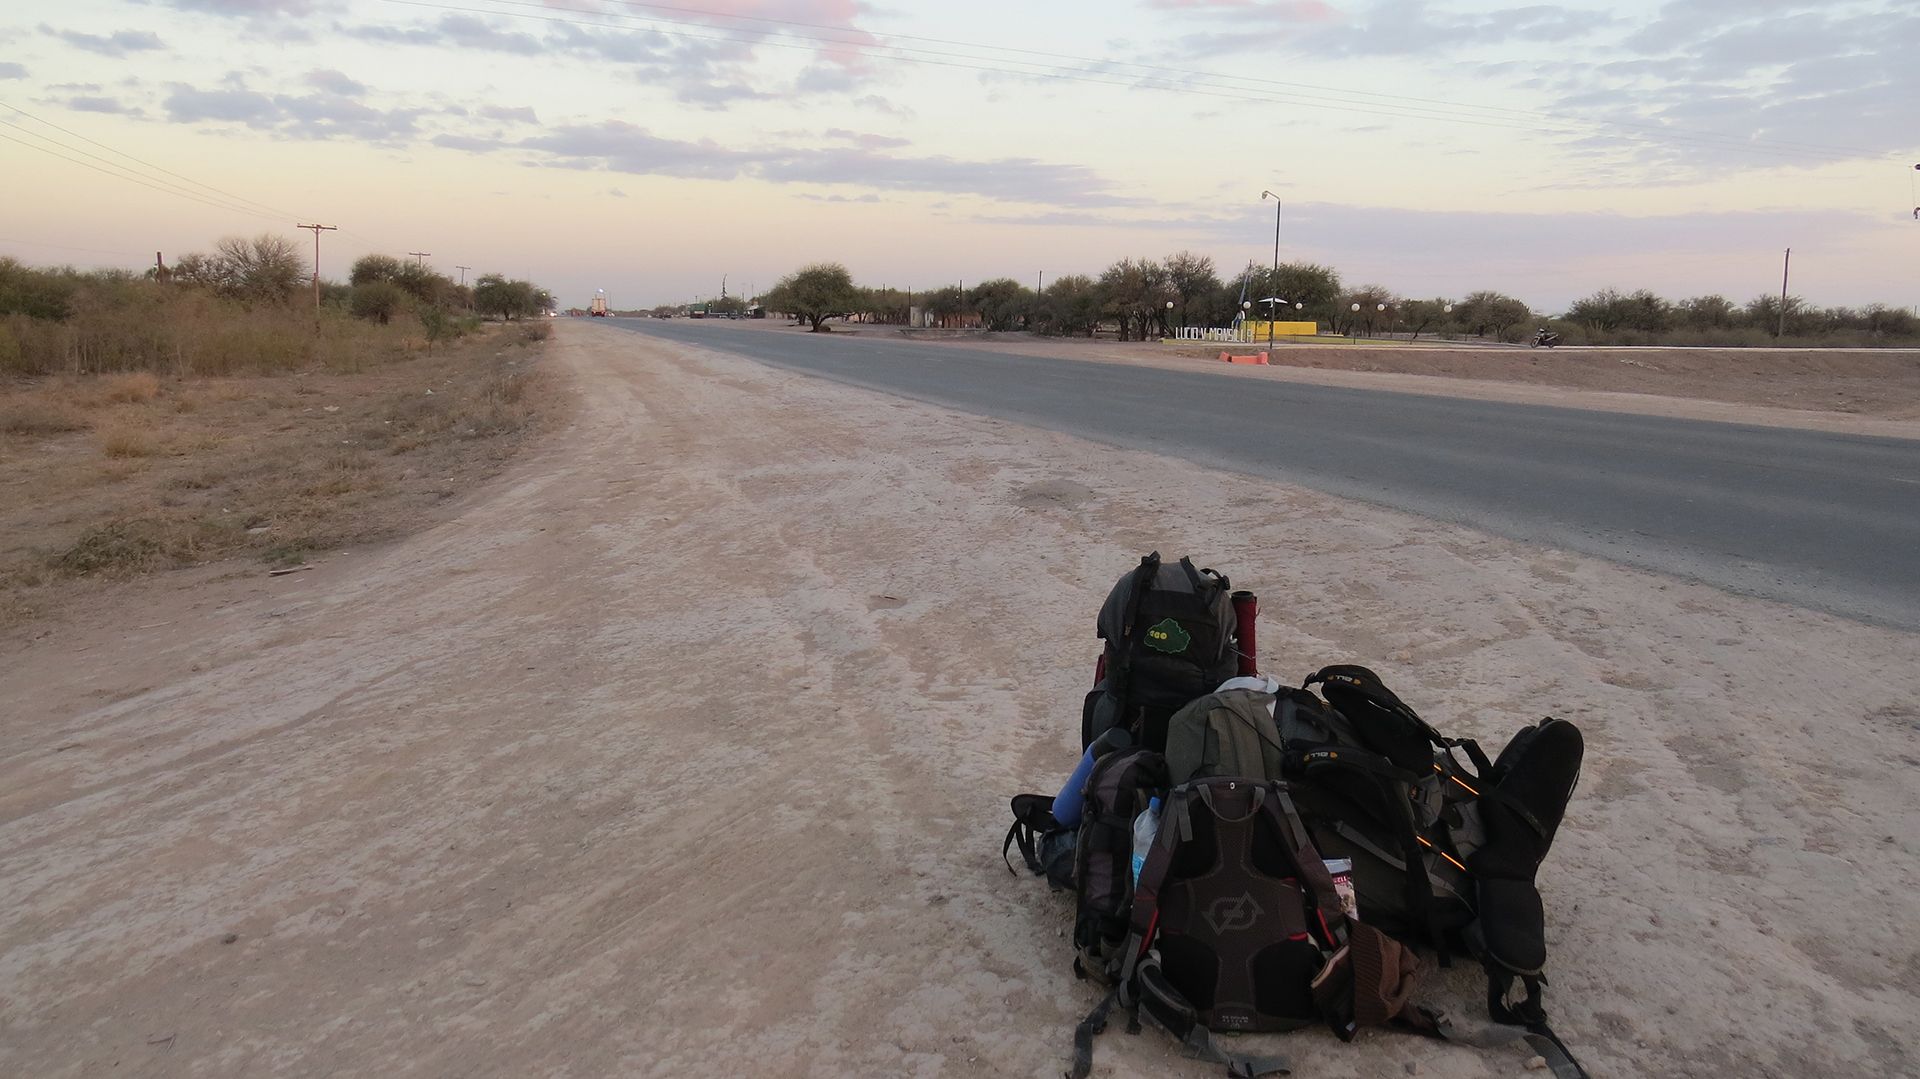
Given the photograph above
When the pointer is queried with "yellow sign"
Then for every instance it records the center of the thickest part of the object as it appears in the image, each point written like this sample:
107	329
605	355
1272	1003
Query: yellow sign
1256	330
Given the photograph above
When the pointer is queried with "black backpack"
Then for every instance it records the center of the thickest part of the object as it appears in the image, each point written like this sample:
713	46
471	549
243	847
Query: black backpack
1235	926
1170	637
1440	853
1118	789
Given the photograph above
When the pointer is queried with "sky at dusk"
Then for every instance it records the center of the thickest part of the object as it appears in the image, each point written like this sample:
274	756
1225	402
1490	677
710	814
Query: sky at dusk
649	149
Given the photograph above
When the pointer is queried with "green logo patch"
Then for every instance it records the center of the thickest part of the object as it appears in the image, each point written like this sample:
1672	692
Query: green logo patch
1168	637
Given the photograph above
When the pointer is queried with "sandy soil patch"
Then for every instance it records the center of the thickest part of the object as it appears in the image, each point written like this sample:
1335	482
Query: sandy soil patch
687	750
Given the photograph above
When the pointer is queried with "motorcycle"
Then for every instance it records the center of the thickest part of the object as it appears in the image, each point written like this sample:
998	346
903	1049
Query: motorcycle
1545	338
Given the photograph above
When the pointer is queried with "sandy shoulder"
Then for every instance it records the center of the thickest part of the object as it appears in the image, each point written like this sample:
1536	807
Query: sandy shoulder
688	746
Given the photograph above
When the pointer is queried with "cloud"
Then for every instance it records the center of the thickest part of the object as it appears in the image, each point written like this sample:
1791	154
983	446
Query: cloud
616	193
460	31
11	70
1291	12
882	105
98	103
246	8
334	82
868	197
1730	87
470	143
710	72
117	44
622	147
1006	179
299	116
864	139
523	114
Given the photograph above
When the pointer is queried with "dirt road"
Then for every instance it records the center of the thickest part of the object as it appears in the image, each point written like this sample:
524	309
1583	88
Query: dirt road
685	748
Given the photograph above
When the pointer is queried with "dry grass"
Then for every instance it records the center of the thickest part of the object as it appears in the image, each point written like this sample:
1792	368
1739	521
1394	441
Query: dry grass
107	477
129	441
129	389
36	417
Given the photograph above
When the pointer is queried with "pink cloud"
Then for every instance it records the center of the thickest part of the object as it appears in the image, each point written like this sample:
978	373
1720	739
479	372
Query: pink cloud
1277	10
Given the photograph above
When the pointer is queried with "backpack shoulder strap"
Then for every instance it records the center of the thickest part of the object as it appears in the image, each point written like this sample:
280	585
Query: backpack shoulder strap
1306	857
1146	989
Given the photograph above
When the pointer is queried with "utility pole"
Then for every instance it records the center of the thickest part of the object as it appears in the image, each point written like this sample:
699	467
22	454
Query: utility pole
420	257
1038	277
463	274
1785	265
317	230
1273	283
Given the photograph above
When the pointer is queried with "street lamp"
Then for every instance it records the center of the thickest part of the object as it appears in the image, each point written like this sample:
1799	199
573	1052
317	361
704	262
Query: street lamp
1274	282
1169	319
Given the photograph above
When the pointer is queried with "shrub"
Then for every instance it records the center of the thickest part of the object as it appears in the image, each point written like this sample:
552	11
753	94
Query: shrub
378	300
132	388
39	418
125	441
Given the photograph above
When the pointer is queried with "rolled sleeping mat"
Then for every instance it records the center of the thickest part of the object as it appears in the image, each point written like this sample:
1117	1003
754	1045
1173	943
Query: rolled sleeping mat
1067	804
1246	611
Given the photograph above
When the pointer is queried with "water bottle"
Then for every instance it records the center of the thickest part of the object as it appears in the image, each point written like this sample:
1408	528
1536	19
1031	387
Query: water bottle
1145	827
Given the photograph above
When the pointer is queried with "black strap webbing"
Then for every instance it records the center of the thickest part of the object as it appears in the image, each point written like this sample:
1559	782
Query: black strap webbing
1083	1035
1166	1007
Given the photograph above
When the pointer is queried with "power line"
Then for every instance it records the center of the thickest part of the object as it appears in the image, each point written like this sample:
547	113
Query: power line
220	198
133	179
70	247
95	142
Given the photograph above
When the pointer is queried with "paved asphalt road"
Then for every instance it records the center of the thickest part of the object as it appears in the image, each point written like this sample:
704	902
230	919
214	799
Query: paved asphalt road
1826	521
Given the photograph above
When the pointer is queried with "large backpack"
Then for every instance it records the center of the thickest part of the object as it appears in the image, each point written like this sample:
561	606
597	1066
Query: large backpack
1235	926
1170	636
1118	790
1440	853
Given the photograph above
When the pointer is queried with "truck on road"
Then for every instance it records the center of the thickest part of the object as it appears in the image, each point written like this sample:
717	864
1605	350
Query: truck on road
598	308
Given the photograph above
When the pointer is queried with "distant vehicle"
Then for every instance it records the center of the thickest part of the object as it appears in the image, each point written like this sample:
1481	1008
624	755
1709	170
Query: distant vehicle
1546	338
599	308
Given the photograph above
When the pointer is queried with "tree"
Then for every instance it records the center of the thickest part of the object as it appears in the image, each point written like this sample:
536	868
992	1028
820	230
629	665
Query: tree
1370	299
1493	314
1419	316
34	293
944	303
818	292
1707	313
1135	292
1314	286
1764	311
495	295
1192	279
378	300
266	269
1070	305
370	268
1002	303
1884	321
